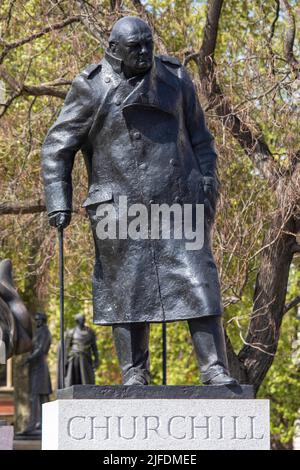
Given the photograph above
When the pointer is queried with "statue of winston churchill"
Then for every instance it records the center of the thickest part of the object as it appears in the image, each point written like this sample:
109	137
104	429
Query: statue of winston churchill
138	122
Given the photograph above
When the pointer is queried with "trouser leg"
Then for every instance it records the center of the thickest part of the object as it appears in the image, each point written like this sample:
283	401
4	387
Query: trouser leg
132	345
209	343
34	405
42	399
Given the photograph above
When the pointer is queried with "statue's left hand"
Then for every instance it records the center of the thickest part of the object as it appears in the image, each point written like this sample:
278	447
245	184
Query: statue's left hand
60	219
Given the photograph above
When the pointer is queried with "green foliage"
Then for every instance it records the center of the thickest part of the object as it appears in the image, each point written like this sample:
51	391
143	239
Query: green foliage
282	385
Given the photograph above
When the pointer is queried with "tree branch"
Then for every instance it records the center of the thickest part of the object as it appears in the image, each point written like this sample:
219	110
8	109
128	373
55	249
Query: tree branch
269	298
272	278
33	90
250	140
25	207
90	23
275	20
290	39
13	45
210	34
29	207
292	304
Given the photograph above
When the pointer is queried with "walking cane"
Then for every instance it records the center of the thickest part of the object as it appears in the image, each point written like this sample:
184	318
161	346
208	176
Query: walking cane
61	302
164	353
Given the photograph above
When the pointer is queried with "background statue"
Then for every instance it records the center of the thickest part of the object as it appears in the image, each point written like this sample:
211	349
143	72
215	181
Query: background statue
81	355
138	121
39	377
15	320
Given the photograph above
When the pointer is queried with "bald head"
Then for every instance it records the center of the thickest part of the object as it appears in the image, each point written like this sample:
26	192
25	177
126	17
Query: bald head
127	27
80	320
131	41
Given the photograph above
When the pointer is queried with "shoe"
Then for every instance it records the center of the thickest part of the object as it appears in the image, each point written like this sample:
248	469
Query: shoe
221	379
136	380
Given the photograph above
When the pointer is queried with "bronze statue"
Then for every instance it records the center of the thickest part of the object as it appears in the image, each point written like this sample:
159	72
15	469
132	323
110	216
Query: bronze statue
81	353
137	119
15	320
39	377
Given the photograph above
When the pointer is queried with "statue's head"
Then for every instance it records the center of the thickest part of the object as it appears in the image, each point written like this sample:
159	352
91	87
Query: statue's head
131	41
80	320
40	319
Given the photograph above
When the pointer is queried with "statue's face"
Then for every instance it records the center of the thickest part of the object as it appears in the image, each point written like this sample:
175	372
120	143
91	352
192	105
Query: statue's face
39	321
134	46
80	320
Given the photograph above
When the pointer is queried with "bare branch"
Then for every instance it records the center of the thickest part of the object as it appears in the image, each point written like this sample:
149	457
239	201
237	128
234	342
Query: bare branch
13	45
261	341
30	207
269	297
7	104
191	56
250	140
292	304
25	207
262	95
9	14
89	21
275	20
42	90
290	38
33	90
210	32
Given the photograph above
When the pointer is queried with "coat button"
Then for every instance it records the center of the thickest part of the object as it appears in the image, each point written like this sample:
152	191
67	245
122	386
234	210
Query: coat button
107	79
173	161
177	200
151	201
143	166
118	102
137	135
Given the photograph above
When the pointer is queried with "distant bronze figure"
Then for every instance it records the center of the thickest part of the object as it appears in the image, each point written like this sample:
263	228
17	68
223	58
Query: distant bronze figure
138	121
39	377
81	355
15	320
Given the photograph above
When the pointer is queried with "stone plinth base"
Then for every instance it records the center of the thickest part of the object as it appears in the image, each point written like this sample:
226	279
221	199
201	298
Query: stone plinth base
155	391
175	418
6	437
27	444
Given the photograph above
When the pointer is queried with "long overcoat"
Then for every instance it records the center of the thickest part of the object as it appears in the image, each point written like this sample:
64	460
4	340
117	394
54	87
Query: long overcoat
146	139
39	377
80	349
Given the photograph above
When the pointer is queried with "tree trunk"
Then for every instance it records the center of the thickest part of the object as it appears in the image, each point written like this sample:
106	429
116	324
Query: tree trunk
268	302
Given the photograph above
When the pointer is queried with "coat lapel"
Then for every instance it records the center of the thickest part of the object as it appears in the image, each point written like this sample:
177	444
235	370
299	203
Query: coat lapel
158	89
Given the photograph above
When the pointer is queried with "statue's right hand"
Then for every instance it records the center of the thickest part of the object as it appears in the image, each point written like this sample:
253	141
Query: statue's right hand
60	219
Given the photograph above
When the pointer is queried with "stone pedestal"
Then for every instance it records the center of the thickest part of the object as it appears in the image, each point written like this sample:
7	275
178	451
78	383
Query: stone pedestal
6	436
27	444
156	417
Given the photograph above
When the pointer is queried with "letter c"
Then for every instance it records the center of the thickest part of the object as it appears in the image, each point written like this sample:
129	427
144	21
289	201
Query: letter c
70	434
169	427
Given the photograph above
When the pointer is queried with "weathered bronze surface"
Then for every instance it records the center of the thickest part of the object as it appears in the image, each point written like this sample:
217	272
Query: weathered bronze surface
15	320
81	355
137	119
39	377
